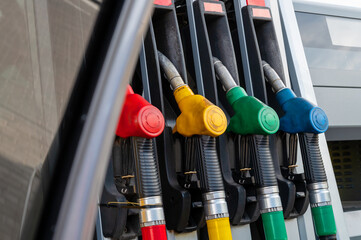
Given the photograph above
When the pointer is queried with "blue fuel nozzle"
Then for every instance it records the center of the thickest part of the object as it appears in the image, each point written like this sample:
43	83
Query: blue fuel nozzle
301	116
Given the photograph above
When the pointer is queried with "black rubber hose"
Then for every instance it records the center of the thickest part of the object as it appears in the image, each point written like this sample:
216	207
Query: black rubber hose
264	171
210	172
312	158
146	168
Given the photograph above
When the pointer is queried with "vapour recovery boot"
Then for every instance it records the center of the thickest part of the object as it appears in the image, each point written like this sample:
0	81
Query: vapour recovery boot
307	120
200	118
255	120
141	121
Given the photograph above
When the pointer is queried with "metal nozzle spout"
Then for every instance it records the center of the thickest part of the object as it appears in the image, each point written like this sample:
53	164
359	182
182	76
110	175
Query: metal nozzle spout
223	75
272	77
170	71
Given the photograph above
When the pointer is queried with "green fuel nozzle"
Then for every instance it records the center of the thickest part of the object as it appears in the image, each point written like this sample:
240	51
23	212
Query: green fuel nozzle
251	115
255	121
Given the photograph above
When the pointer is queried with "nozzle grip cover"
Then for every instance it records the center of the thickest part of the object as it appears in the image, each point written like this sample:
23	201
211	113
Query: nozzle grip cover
199	116
251	115
139	118
300	114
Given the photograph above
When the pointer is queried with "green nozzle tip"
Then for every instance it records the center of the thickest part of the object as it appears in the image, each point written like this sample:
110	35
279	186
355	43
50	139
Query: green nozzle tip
324	220
274	226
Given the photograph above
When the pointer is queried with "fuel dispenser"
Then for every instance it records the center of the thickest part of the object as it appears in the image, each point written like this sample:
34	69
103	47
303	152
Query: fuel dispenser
196	56
257	41
306	120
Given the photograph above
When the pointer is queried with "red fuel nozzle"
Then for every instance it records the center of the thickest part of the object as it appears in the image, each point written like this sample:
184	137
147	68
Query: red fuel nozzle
139	118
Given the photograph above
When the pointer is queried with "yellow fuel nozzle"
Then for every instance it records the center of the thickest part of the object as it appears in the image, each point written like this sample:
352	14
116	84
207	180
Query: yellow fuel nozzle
199	116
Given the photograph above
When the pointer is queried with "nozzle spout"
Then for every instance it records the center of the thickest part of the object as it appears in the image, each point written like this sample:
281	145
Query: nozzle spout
272	77
223	75
170	71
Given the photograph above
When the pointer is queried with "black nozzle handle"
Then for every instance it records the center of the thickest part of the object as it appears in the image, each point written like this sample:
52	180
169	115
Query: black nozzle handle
146	168
264	171
312	158
170	71
210	171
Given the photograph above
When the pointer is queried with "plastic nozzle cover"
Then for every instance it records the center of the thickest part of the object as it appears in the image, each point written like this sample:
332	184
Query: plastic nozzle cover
301	116
156	232
251	115
274	226
198	115
139	118
324	220
219	229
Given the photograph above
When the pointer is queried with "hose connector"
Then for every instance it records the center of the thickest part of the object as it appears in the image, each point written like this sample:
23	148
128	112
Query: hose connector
215	205
152	211
271	212
269	199
216	214
152	221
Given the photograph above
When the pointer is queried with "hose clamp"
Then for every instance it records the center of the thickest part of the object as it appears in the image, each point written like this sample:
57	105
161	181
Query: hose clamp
215	205
152	212
269	199
319	194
